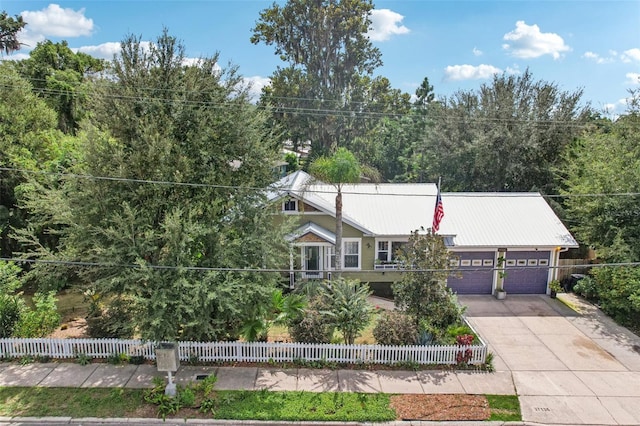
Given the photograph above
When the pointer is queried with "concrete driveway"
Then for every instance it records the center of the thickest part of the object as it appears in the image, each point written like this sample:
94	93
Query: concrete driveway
569	365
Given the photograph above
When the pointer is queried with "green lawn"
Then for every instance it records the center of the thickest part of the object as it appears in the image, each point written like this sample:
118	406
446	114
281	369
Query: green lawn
232	405
504	408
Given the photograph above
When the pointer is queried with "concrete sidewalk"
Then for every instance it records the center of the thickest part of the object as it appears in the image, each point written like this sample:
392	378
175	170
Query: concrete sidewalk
252	378
255	378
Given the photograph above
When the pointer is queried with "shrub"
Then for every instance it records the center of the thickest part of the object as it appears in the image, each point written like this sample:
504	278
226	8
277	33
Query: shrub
110	321
395	328
587	287
11	304
311	327
11	308
348	307
42	319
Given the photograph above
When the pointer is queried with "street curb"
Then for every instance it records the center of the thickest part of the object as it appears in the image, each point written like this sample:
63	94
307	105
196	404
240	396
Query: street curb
221	422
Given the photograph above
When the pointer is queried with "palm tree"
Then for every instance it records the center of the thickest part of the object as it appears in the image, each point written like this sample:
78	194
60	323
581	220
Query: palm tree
340	169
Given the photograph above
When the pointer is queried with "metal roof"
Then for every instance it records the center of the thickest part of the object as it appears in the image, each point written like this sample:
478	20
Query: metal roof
470	219
502	219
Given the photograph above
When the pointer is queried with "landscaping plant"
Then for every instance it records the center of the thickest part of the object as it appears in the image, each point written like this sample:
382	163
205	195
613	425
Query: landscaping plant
395	328
348	308
422	292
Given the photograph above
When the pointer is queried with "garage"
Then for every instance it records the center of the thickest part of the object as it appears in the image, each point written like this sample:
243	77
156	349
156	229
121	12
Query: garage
474	273
527	272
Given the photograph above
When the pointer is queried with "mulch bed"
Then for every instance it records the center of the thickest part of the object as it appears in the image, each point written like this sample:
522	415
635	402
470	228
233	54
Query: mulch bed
441	407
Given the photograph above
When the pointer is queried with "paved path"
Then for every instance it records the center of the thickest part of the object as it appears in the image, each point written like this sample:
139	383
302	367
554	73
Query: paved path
254	378
569	366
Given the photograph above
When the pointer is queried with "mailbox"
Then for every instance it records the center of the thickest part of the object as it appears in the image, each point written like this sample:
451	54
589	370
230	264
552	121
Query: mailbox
167	357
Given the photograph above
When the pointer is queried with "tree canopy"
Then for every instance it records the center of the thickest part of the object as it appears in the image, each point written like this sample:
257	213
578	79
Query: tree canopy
327	85
607	161
179	228
57	75
507	136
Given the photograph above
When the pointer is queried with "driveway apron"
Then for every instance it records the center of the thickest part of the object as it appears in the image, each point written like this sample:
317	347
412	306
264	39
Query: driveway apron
569	363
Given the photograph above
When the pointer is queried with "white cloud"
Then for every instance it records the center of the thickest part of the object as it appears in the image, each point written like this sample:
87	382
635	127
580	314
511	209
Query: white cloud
29	39
614	110
384	24
633	78
256	83
526	41
631	55
469	72
58	22
477	52
513	70
597	58
14	57
103	51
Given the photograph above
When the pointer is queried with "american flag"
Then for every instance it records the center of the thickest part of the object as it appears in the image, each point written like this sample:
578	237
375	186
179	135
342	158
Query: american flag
438	214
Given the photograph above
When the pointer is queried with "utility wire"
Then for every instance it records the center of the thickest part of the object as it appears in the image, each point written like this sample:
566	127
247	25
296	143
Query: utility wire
287	270
309	111
310	189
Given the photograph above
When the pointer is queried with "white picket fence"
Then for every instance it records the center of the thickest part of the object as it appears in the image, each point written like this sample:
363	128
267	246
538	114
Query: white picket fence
243	351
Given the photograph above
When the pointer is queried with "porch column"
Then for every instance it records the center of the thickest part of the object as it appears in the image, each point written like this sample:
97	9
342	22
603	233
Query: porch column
292	275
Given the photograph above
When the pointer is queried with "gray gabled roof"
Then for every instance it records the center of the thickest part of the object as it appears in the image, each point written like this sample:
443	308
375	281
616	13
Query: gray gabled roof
470	220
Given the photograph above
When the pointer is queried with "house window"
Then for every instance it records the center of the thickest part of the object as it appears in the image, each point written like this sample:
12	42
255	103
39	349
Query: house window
330	255
383	251
387	251
395	246
290	206
351	254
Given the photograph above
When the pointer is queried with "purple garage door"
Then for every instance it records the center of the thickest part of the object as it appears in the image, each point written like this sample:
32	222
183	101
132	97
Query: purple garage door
474	273
530	274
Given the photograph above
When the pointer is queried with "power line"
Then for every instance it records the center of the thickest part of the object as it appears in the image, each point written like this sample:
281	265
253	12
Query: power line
309	111
310	189
287	270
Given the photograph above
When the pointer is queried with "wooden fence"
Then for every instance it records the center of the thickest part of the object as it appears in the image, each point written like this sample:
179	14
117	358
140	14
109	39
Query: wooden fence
569	266
245	351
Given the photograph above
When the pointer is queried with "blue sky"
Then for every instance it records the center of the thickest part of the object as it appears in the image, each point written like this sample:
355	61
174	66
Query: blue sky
586	44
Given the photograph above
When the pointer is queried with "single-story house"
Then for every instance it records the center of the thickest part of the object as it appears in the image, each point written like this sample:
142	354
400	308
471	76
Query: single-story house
484	230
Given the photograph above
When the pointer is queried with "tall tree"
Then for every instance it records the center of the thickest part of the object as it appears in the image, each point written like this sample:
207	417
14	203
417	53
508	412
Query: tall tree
58	75
9	29
340	169
185	250
507	136
606	160
330	58
29	142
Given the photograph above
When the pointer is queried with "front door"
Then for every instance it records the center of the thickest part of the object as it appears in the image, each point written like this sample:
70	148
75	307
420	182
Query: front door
312	261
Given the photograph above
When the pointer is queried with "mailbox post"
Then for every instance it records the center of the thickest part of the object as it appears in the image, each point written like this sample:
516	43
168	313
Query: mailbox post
168	359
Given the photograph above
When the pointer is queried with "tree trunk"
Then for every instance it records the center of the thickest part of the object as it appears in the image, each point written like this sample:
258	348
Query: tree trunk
338	272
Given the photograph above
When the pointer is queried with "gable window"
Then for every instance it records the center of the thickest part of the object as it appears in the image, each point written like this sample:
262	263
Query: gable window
290	206
351	253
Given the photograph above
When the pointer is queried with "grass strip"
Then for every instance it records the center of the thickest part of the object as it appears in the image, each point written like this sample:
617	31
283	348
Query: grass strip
231	405
504	408
73	402
304	406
